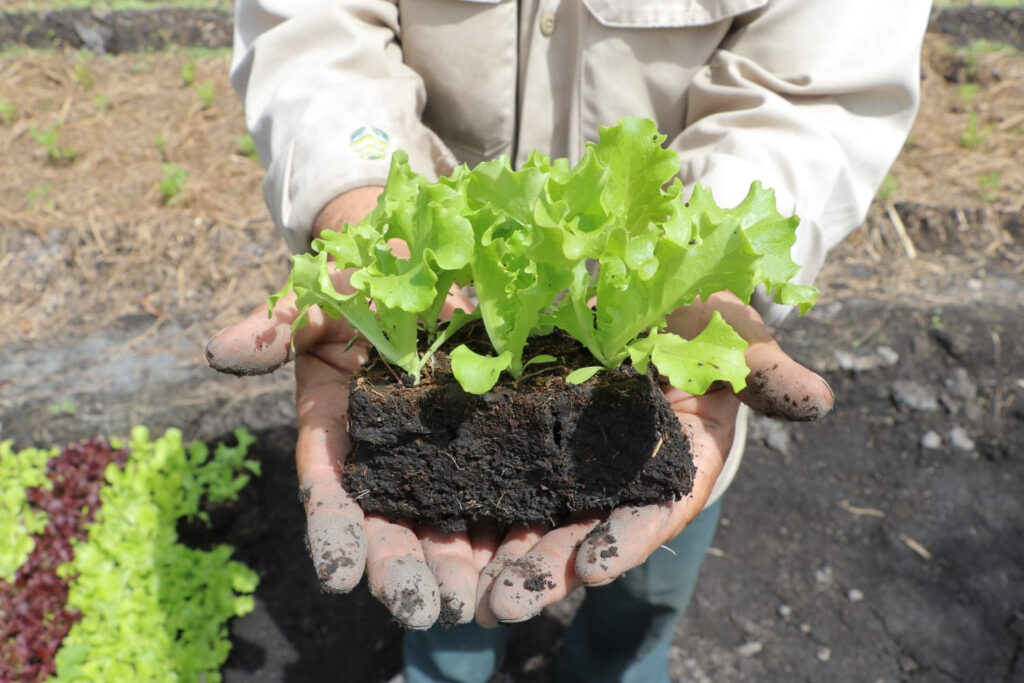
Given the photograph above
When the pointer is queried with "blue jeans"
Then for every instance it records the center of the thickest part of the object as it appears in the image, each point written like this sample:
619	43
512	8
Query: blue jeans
621	633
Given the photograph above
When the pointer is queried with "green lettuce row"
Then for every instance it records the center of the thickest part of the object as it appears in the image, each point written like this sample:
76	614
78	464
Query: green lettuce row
525	240
153	609
19	471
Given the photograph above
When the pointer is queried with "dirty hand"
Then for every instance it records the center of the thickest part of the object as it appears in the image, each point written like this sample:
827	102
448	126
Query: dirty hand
584	553
342	540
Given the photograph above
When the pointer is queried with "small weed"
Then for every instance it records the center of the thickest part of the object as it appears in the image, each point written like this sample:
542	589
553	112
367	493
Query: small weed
173	182
84	76
161	148
101	102
7	111
985	46
974	135
188	73
247	147
50	140
207	92
888	188
64	407
38	195
990	182
967	92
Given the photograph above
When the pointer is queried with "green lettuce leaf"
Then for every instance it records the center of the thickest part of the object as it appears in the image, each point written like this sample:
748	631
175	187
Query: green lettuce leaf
540	244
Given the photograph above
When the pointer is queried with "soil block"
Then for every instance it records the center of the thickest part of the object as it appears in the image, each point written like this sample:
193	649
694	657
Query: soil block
534	450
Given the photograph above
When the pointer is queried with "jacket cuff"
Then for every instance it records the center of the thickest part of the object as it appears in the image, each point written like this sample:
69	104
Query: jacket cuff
729	179
342	154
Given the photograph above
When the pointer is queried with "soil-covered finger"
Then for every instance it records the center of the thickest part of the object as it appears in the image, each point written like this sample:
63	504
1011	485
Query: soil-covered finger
777	386
449	556
516	543
260	344
407	588
621	543
335	538
397	573
544	575
254	346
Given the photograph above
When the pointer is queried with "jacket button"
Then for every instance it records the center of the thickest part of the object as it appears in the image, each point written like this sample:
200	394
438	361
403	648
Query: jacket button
547	24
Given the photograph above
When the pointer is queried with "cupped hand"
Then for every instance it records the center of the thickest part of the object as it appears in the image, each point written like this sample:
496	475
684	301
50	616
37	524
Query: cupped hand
419	573
536	567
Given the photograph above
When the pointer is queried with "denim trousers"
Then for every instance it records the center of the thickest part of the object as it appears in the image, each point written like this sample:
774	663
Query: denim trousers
621	633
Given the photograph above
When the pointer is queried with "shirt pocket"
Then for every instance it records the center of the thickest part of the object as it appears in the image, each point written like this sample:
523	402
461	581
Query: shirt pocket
465	53
667	13
639	57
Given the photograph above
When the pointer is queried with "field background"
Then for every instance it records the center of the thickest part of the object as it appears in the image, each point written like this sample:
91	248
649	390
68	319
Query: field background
132	227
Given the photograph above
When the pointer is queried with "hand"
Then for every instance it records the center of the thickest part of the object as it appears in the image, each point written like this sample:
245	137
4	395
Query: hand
413	571
576	553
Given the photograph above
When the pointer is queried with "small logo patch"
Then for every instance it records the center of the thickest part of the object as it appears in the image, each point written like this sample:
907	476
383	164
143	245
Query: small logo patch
369	142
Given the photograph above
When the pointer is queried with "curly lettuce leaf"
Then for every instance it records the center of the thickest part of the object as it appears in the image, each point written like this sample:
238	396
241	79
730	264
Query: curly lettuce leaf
541	244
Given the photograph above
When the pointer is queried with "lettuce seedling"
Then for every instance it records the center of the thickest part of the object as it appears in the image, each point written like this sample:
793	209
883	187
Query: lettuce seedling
528	241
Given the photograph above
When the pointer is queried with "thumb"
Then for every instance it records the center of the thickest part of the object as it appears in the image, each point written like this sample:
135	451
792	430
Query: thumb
260	343
777	385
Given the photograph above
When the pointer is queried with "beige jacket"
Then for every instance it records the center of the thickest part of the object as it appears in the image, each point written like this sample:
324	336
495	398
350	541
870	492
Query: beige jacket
812	97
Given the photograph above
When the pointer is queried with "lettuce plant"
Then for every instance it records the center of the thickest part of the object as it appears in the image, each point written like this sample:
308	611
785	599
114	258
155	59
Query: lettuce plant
152	608
528	241
19	471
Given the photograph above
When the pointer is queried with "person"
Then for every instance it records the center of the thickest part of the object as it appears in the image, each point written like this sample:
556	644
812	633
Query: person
814	98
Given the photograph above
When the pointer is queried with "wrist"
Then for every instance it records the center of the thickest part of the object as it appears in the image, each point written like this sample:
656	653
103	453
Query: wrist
348	207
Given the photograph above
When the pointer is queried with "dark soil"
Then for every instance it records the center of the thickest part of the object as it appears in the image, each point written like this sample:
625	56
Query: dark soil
534	450
115	32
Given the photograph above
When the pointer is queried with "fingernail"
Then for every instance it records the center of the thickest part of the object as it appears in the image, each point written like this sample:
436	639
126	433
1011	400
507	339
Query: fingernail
831	393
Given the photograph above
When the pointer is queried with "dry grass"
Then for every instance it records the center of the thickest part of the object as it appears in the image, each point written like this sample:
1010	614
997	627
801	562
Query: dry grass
88	241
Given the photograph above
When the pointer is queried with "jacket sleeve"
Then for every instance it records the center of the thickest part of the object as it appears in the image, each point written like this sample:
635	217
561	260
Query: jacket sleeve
815	99
327	100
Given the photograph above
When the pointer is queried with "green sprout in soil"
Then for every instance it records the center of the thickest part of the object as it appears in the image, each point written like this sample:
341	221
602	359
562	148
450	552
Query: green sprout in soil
247	147
63	407
84	76
173	182
967	92
50	141
991	183
888	188
101	102
207	92
525	238
161	146
7	111
188	72
975	135
38	195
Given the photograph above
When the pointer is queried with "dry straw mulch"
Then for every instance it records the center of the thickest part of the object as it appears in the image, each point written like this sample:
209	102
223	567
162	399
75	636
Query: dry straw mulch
88	237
